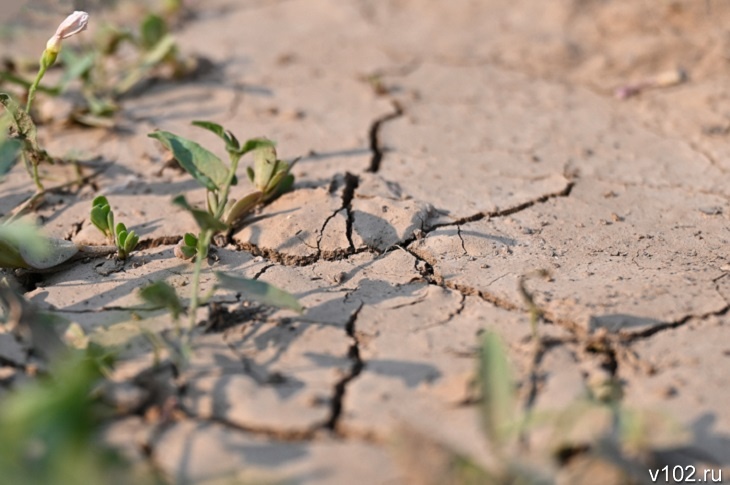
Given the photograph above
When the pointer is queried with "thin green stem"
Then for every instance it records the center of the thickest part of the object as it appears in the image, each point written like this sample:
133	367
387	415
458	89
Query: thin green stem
202	253
223	202
36	177
34	86
204	239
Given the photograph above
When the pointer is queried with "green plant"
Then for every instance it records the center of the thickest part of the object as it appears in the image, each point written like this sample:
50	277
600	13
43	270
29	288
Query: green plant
19	118
50	427
103	218
24	136
269	176
106	75
72	25
501	424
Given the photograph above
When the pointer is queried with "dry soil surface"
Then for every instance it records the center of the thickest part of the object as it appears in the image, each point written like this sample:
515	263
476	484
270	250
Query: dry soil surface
447	149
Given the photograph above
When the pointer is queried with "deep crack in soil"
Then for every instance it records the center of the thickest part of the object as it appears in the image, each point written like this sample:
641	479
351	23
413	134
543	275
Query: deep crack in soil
374	136
333	423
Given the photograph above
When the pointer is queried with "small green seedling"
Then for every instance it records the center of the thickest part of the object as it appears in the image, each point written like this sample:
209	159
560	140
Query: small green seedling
269	175
498	393
103	218
125	240
188	247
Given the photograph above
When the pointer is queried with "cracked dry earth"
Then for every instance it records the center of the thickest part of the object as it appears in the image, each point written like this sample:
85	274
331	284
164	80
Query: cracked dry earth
447	149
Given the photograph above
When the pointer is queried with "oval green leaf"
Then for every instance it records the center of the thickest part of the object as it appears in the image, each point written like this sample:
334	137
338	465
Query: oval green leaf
203	165
259	291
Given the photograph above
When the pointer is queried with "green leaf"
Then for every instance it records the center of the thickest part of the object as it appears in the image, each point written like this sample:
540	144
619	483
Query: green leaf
22	121
26	129
280	182
99	215
249	172
255	144
161	295
8	155
188	251
131	242
212	127
99	200
231	141
152	30
498	391
120	228
243	207
110	223
286	184
204	166
18	241
190	240
121	239
202	218
188	246
264	166
281	171
259	291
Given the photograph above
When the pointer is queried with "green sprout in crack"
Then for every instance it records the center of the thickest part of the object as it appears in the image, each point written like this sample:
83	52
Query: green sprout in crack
270	178
103	218
593	428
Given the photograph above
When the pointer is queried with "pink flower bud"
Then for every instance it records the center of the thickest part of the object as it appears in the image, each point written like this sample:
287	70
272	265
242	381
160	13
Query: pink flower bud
74	23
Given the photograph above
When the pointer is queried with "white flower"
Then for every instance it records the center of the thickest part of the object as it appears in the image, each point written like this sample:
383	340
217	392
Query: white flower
74	23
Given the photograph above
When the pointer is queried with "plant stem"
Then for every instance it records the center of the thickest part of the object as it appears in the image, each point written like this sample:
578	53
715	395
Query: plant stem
34	86
203	242
204	239
223	202
36	177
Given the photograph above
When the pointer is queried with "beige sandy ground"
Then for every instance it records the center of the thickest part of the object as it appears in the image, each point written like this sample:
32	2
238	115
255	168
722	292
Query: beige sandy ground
489	146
